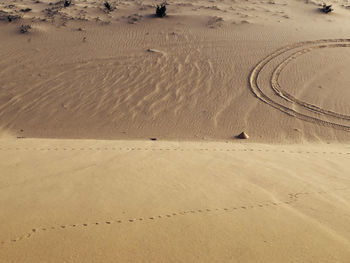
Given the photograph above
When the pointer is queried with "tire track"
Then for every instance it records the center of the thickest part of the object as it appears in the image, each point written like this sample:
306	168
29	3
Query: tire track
278	90
259	89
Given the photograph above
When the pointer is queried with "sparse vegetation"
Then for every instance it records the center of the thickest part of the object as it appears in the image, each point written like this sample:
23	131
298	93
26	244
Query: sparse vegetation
108	6
326	8
161	10
24	29
11	18
25	10
67	3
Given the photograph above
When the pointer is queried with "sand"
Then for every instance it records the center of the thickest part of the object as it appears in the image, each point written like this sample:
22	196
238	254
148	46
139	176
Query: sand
84	90
84	73
136	201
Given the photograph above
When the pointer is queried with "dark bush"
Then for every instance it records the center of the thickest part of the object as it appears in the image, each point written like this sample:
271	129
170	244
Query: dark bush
326	8
8	16
25	10
11	18
161	10
108	6
67	3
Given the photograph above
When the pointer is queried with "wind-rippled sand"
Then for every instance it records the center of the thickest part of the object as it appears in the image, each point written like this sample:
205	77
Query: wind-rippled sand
83	72
85	89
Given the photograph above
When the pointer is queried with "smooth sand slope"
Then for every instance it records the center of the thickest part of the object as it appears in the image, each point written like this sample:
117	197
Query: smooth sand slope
105	201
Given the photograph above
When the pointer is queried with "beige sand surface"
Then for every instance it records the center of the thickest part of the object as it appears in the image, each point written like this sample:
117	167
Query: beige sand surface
136	201
82	77
82	72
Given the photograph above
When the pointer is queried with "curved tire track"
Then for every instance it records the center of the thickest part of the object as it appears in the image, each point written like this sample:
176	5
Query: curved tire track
301	48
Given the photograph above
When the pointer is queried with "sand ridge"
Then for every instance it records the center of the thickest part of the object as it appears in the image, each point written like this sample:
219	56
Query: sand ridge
196	149
118	131
223	196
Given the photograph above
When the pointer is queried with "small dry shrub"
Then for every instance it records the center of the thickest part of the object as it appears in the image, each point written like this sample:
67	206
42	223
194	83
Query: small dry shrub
326	8
108	6
67	3
161	10
24	29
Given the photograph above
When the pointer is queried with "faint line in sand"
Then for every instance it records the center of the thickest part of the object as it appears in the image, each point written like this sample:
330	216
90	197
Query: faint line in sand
293	197
169	149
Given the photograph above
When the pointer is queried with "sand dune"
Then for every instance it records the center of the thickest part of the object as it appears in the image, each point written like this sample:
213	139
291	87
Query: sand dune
84	72
178	185
69	200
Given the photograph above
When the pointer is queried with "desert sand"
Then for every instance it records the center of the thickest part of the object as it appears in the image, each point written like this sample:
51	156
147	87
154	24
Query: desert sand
83	89
82	72
136	201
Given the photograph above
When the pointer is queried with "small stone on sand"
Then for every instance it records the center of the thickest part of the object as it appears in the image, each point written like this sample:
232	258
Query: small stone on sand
243	135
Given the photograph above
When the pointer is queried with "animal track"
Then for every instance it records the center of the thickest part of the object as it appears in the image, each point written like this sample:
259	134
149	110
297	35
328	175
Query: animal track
284	101
293	197
172	149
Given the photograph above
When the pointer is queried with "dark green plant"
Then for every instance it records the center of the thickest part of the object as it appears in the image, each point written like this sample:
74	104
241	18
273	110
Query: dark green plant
11	18
161	10
25	10
326	8
108	6
67	3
